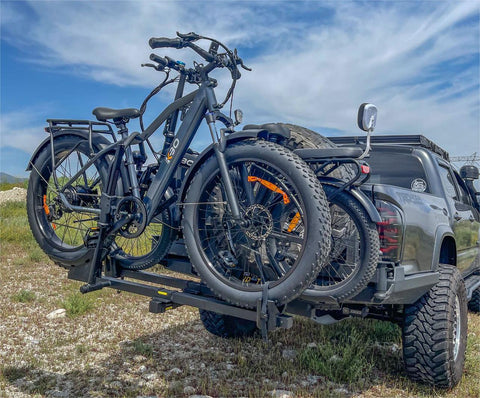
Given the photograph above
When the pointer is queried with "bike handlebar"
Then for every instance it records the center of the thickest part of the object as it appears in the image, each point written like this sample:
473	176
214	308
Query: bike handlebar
229	60
159	60
159	42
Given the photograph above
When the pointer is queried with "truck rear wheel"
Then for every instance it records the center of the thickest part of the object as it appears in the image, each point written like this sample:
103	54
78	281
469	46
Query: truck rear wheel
474	303
435	332
227	326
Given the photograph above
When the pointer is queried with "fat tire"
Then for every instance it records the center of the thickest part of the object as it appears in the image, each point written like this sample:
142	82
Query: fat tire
64	258
315	203
67	259
428	332
227	326
301	137
370	249
474	303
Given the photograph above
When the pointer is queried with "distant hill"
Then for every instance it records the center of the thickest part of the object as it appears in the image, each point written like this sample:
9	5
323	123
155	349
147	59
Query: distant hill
4	177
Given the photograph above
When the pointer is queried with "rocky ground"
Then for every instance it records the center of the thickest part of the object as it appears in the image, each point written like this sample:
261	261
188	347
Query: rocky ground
55	342
12	195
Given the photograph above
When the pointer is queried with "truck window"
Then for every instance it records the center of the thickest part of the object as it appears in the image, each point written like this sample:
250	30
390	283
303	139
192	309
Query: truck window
447	182
399	169
464	195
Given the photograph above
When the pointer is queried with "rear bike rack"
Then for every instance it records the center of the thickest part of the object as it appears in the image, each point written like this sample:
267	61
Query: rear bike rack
267	315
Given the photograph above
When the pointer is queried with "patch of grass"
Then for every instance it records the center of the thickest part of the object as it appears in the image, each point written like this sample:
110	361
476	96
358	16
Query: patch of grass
6	186
12	373
81	348
43	384
77	304
141	348
346	362
24	296
14	224
36	255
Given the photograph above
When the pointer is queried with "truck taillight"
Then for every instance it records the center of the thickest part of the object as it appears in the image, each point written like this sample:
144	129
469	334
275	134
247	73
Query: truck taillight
390	230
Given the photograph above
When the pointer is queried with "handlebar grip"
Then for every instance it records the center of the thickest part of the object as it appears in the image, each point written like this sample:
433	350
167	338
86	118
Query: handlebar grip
160	60
158	42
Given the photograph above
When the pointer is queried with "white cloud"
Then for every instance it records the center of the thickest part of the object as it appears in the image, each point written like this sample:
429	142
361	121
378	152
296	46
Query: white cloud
20	129
418	61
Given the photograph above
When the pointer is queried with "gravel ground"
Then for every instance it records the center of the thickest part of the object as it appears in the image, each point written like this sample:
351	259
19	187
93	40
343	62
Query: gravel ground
118	349
13	195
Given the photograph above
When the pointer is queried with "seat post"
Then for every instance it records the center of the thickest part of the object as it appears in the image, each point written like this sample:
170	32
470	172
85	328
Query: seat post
121	125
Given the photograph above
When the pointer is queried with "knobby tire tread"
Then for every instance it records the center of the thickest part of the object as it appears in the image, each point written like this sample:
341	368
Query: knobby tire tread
427	338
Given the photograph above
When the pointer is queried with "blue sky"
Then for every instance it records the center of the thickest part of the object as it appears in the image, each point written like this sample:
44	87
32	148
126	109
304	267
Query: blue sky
313	64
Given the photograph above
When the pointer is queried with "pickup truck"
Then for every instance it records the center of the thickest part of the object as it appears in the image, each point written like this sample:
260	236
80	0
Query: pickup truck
429	239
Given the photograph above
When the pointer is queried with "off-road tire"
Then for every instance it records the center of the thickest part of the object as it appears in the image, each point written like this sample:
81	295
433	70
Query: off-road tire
432	326
301	137
317	221
227	326
474	303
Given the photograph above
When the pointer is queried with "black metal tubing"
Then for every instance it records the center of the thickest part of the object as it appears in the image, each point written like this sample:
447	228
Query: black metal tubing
177	297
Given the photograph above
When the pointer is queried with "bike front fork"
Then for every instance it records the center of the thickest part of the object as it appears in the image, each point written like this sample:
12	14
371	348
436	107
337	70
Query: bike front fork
219	146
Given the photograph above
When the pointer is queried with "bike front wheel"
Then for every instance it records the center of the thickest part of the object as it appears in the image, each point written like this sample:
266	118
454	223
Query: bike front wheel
282	238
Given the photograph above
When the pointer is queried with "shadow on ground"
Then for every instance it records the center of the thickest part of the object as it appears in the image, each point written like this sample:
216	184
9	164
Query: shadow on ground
308	360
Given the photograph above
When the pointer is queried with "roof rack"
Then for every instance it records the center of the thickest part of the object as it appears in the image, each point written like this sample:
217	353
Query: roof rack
408	140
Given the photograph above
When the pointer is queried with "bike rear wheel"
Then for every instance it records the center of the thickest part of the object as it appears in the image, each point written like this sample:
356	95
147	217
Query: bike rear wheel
283	239
60	232
354	252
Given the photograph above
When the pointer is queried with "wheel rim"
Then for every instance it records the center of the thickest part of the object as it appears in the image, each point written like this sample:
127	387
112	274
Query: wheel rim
266	245
64	228
456	329
346	252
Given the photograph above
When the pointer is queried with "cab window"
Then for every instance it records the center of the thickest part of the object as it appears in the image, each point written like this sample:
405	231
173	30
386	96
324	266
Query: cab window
448	183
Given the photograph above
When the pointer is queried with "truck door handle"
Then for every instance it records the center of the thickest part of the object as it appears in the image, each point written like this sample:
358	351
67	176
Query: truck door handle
457	217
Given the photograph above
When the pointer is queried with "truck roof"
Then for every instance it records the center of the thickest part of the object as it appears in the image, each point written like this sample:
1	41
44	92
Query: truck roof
406	140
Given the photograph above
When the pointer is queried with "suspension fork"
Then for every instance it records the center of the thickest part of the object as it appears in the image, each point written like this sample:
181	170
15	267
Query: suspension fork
219	146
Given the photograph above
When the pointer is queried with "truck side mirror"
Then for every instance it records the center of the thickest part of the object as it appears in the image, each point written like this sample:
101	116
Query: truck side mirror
367	120
367	117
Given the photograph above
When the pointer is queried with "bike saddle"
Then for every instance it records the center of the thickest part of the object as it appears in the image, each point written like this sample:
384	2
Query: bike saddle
102	114
311	154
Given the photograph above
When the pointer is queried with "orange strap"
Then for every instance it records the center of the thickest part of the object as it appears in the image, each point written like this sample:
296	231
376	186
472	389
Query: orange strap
270	186
294	222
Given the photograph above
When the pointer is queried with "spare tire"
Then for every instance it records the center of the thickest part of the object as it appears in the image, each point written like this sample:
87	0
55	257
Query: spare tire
301	137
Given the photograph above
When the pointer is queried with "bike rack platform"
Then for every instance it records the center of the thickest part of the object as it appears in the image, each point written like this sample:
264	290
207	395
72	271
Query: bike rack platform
267	315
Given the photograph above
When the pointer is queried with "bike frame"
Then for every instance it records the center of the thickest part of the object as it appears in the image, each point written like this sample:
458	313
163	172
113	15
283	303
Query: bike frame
203	104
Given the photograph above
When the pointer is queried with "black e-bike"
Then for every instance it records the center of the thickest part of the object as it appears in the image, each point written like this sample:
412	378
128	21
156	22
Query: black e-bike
253	215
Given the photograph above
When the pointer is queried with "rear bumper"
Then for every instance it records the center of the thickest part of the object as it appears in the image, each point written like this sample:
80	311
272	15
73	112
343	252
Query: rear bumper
399	289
